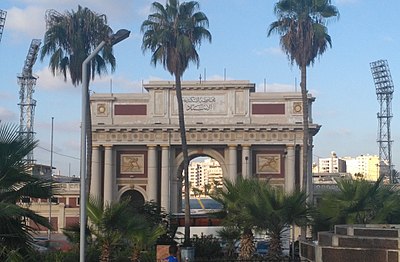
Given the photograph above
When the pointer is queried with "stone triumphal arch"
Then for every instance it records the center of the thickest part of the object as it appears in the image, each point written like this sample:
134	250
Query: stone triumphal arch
136	138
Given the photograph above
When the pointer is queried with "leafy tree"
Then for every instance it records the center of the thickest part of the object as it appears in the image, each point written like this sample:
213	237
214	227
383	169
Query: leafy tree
16	221
70	38
172	33
304	37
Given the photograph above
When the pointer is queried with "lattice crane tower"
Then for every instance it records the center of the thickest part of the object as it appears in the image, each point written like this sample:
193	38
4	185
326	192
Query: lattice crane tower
3	15
384	91
27	104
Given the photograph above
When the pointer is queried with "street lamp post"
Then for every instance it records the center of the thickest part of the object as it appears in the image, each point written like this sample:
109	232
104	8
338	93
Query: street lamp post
113	39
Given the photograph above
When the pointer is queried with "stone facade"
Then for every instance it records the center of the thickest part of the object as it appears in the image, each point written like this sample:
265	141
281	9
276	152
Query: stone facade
136	137
378	243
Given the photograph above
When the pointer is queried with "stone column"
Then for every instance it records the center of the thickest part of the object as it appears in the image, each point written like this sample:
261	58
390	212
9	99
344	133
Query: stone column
246	161
152	183
108	175
95	184
232	163
165	179
289	167
301	167
61	217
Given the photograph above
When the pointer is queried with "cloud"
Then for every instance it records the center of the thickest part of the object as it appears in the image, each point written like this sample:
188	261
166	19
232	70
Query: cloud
7	115
29	22
346	2
275	87
275	51
46	81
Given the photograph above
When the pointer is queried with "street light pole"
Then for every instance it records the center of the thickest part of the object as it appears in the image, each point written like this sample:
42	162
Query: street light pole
113	39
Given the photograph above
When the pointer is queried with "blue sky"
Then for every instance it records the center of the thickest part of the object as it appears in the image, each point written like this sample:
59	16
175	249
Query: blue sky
346	105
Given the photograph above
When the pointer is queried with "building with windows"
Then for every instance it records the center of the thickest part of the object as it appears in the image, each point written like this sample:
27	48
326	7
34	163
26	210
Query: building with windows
332	164
365	166
205	176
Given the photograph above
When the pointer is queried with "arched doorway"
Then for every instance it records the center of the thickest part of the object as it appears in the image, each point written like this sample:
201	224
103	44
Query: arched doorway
135	198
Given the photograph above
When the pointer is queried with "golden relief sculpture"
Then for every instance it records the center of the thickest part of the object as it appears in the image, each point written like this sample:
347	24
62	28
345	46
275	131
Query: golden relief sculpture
132	164
268	164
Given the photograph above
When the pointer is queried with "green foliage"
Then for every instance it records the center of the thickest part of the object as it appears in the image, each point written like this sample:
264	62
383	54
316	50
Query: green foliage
251	204
71	37
16	183
358	202
207	247
229	235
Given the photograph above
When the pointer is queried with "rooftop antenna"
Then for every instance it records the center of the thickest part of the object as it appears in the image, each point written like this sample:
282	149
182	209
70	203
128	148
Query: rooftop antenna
384	91
295	84
265	85
27	104
224	74
204	74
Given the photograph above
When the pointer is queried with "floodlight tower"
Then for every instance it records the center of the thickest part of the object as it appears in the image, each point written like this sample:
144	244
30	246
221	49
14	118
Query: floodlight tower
3	15
384	91
27	104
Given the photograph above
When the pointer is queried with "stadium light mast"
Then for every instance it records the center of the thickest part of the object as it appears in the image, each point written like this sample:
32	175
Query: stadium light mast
27	104
3	15
384	91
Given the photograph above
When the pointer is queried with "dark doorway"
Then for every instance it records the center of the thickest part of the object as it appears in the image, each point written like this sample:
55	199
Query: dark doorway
135	198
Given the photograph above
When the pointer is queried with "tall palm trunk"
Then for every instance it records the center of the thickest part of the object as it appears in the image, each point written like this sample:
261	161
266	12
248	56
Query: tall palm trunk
185	156
304	98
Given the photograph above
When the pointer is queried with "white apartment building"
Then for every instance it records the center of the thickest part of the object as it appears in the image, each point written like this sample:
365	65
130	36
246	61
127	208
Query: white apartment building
331	164
205	174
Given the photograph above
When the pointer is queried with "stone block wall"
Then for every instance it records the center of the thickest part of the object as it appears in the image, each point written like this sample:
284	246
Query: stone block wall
377	243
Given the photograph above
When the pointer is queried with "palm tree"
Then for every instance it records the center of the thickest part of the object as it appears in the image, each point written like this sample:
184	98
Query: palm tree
16	183
304	37
70	38
173	33
235	197
358	202
143	236
275	211
108	224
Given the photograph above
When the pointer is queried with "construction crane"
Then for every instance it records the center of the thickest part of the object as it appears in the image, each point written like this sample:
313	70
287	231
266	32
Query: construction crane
3	15
27	104
384	91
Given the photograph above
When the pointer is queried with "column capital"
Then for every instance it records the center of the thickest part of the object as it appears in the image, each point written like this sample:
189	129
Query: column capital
165	146
151	146
108	146
232	145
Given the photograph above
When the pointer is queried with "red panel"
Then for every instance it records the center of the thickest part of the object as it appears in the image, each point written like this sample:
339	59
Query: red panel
72	202
268	109
71	221
128	110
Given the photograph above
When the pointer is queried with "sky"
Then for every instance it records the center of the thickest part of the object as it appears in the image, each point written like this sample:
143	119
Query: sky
346	104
